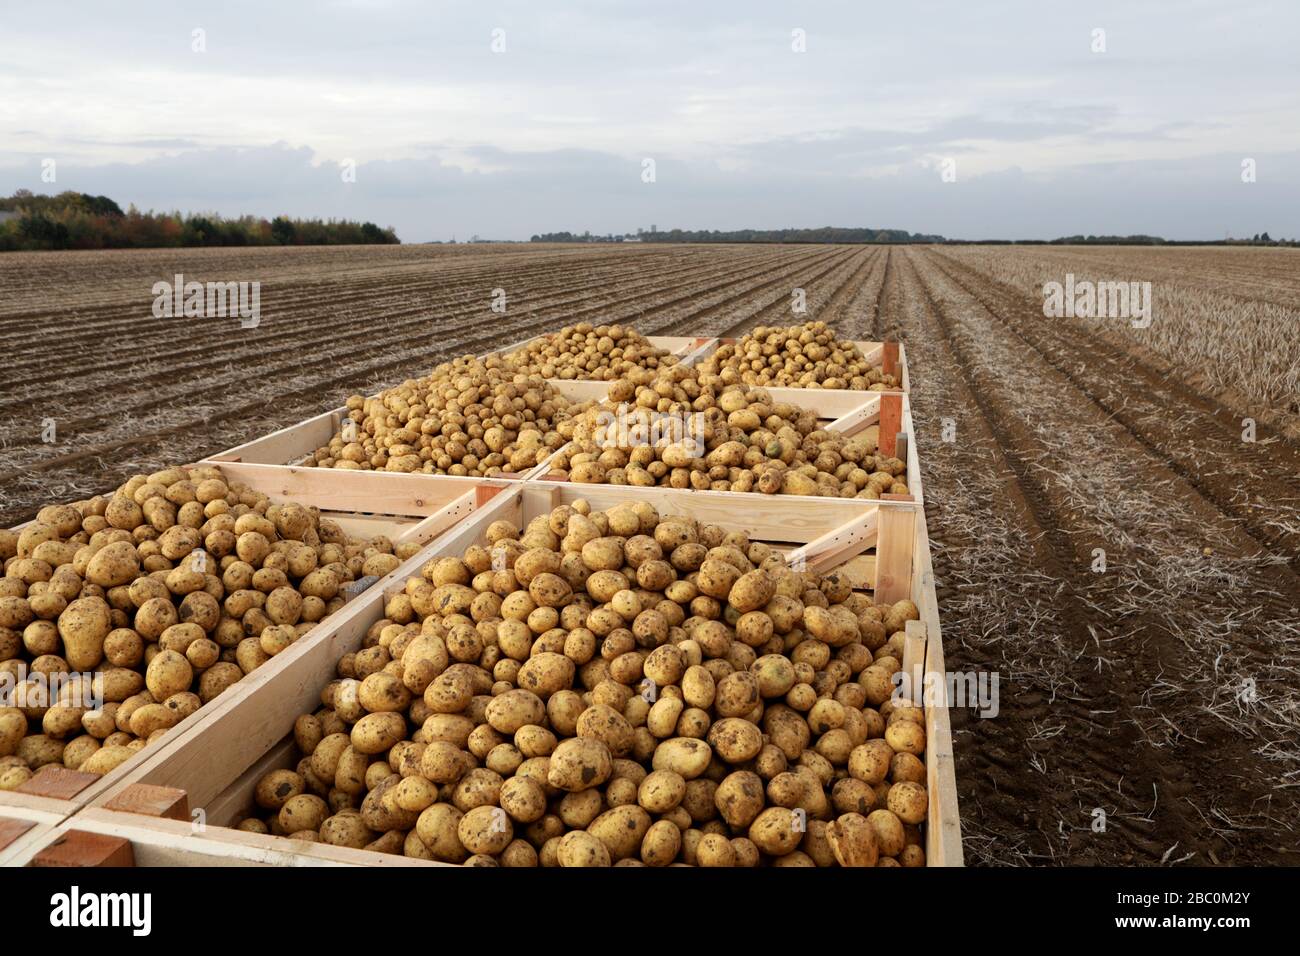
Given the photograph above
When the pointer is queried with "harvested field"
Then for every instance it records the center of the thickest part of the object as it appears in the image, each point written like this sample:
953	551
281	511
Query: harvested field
1163	691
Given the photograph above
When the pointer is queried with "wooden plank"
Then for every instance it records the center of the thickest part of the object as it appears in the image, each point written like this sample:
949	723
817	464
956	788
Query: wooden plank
895	548
891	422
833	548
867	413
370	492
173	843
914	660
700	347
57	782
913	460
290	444
79	848
151	801
943	824
226	808
889	358
424	531
764	517
11	830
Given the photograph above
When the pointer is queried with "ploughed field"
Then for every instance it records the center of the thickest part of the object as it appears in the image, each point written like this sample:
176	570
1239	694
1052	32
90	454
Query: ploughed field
1104	537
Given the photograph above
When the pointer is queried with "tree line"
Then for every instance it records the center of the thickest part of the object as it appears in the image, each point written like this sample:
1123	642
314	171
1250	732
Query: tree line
73	220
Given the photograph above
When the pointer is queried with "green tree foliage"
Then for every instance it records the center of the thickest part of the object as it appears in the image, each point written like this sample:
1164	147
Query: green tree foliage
72	220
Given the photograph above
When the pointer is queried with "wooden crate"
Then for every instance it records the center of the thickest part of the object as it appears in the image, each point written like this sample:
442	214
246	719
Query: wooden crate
217	763
291	445
842	411
890	357
104	838
405	508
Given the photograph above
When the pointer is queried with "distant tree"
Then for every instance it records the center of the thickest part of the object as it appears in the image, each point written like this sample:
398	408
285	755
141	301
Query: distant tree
101	205
283	230
1263	237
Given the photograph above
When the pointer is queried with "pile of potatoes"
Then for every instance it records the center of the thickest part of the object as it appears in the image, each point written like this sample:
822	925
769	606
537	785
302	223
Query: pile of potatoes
159	596
465	418
646	435
590	352
800	356
615	688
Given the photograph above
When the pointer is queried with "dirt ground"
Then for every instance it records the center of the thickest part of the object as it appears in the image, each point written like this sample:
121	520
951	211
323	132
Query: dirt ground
1103	537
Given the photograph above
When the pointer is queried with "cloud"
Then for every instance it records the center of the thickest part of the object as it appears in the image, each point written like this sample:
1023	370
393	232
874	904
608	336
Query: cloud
452	137
515	194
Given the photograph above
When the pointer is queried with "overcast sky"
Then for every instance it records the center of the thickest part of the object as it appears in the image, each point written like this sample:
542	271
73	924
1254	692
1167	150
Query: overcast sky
449	136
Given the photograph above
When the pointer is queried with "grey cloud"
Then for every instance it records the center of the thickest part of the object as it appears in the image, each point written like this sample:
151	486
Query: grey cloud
430	198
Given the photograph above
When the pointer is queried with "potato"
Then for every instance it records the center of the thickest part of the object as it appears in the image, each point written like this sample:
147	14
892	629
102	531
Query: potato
377	732
661	791
114	564
684	756
523	799
346	829
83	625
740	798
485	829
515	709
904	736
853	840
735	740
776	831
168	673
607	725
580	848
13	727
908	801
546	673
621	829
661	844
274	789
106	759
580	763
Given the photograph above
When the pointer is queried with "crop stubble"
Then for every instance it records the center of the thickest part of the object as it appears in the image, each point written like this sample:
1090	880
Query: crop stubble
1120	691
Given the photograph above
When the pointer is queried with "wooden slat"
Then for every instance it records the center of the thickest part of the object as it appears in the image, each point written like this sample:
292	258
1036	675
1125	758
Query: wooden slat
764	517
226	808
889	359
943	824
80	848
833	548
173	843
370	492
914	659
868	413
425	530
895	547
891	422
11	830
58	783
151	801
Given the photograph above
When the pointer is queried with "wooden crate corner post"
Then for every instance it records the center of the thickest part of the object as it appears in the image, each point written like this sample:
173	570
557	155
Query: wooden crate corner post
889	358
895	545
891	422
167	803
81	848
